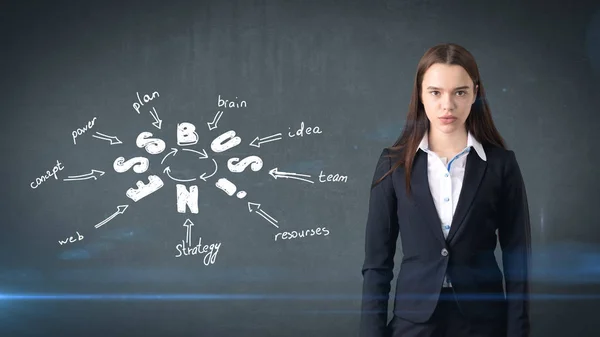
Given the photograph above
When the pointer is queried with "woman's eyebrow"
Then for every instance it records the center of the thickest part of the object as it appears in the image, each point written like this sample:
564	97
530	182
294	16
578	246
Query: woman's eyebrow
457	88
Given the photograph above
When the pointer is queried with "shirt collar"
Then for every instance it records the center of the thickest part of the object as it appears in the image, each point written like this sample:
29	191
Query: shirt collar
471	142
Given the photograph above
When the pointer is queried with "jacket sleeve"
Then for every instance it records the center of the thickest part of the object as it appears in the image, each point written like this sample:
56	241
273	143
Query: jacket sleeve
380	246
515	240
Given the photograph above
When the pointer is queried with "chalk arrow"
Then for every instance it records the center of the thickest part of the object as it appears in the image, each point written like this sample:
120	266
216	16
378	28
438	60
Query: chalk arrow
167	170
257	141
213	125
120	210
254	207
188	235
204	176
202	154
289	175
113	139
157	121
93	174
173	152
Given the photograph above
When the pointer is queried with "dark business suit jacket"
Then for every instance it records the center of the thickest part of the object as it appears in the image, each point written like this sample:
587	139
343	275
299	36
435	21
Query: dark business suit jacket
492	205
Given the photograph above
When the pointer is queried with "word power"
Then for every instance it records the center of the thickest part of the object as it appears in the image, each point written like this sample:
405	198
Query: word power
71	239
147	98
81	131
38	181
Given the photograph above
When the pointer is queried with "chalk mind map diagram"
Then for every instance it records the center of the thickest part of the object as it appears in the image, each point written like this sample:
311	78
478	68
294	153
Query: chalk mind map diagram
187	187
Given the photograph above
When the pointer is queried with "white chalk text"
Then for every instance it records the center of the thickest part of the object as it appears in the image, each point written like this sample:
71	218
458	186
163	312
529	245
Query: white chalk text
321	231
38	181
209	251
81	131
71	239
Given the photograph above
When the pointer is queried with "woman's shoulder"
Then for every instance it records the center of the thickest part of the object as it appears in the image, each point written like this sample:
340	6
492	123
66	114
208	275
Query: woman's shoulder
390	155
498	153
501	158
393	152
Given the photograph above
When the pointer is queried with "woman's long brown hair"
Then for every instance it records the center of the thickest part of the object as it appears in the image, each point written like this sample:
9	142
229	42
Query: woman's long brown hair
479	122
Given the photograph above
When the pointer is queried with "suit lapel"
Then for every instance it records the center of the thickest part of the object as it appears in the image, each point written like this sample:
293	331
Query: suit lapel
422	195
474	170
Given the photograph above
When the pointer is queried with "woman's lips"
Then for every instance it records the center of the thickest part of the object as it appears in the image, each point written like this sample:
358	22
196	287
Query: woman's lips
447	120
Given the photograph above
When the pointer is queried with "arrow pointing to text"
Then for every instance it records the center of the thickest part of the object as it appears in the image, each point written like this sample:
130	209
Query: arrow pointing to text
113	139
93	174
289	175
254	207
188	235
120	210
213	125
157	121
257	141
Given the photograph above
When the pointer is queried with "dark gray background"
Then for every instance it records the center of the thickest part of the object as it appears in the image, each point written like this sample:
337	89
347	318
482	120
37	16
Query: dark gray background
345	66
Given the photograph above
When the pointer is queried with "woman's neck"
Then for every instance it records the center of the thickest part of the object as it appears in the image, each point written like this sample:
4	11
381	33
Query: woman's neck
447	144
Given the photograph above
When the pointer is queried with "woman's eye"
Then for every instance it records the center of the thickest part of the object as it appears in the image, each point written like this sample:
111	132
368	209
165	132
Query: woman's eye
435	92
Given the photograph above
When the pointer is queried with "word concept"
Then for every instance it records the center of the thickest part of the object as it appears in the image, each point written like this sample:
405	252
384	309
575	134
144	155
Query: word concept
38	181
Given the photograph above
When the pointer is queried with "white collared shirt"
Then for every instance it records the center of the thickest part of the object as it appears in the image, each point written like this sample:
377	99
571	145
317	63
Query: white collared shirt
446	179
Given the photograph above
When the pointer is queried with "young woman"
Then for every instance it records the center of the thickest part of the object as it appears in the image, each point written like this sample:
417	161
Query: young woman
449	188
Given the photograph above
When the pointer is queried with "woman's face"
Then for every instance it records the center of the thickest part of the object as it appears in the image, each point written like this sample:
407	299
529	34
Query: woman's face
447	94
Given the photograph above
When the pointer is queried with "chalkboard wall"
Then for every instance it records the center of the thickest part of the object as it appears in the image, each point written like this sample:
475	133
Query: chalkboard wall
202	168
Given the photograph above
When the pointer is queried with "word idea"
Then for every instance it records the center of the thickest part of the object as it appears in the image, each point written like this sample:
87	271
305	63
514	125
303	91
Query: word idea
38	181
302	131
81	131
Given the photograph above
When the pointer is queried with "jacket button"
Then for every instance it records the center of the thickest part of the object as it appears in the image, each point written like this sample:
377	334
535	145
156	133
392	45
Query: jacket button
444	252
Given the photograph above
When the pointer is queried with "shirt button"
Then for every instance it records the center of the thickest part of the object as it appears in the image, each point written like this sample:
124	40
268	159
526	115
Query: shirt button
444	252
446	199
446	175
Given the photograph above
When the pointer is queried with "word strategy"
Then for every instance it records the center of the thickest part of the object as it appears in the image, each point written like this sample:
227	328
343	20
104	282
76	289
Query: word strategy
185	248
